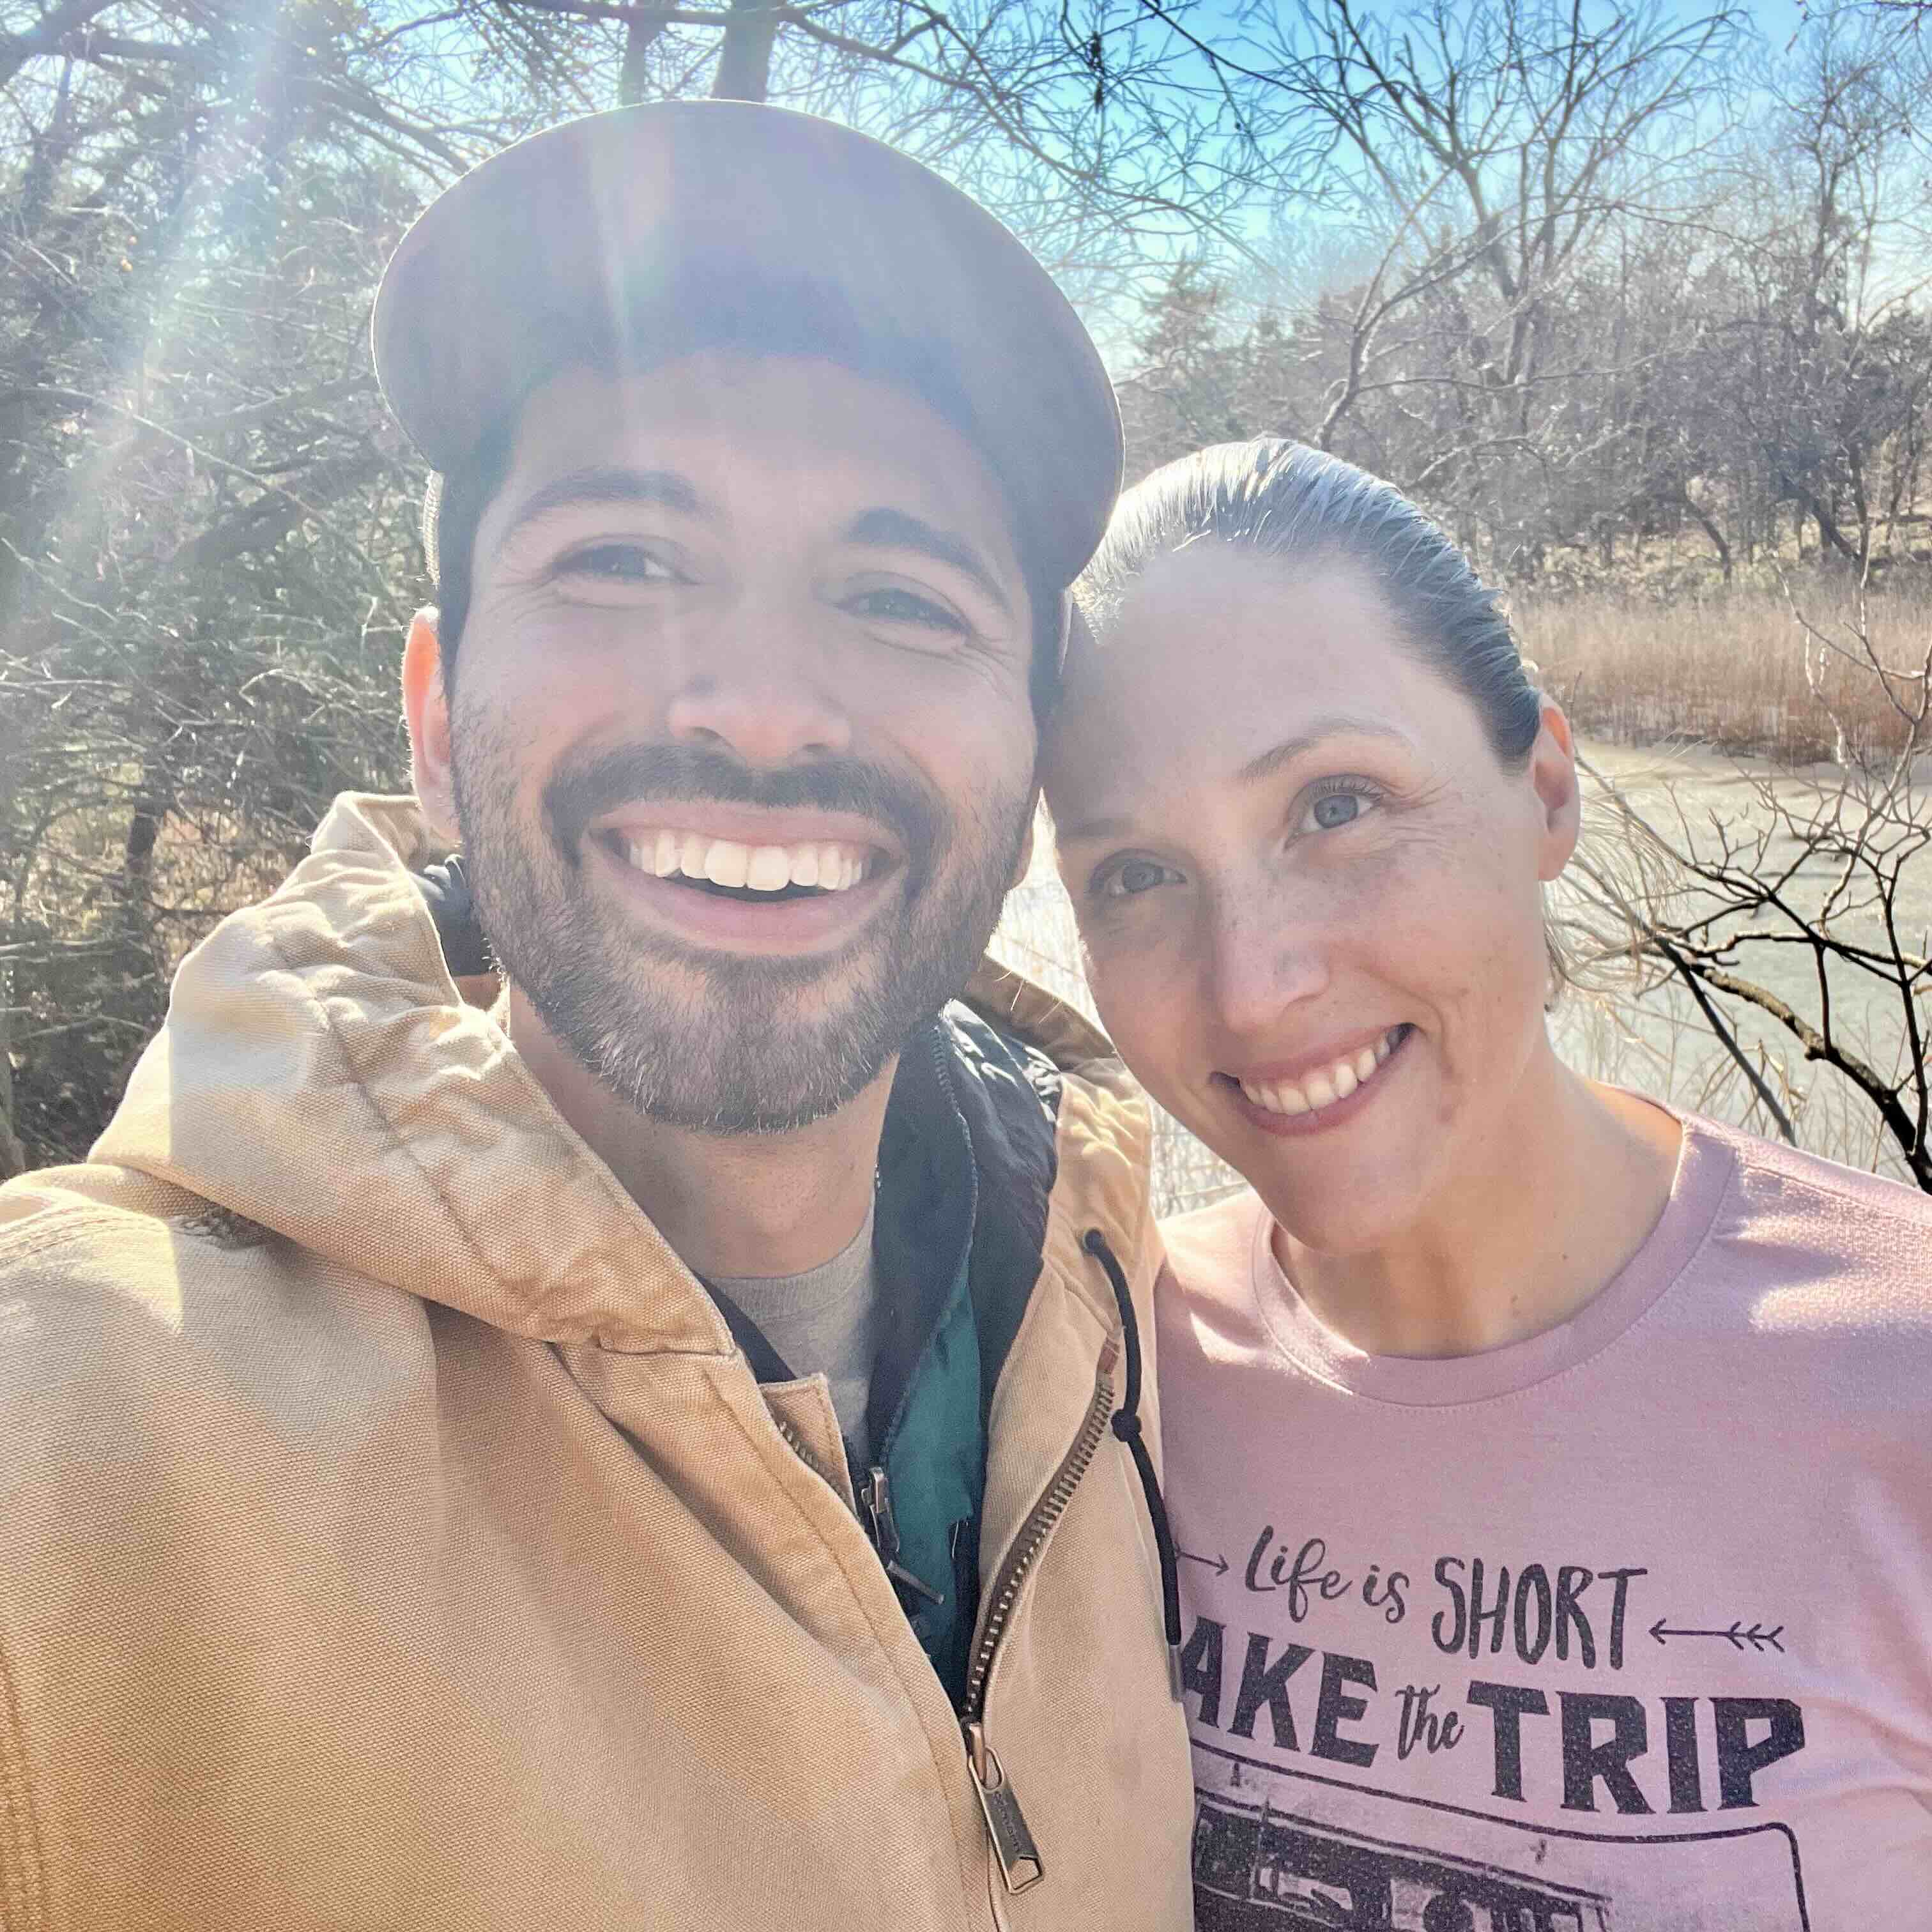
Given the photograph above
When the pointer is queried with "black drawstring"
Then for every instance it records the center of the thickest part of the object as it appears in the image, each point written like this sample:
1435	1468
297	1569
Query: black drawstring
446	889
1127	1427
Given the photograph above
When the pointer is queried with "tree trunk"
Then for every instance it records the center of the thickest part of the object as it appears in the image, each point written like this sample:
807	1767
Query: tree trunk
138	853
1861	502
745	62
13	1156
1708	525
639	32
17	49
1828	532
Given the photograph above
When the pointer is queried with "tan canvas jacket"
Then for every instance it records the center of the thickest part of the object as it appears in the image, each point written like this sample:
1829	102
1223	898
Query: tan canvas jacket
391	1535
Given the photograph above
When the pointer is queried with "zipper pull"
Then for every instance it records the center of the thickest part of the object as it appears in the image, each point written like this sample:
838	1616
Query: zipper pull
1020	1863
876	1500
899	1573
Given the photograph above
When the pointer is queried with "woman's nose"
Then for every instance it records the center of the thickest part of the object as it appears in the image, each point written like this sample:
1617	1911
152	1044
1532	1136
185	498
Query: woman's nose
1260	963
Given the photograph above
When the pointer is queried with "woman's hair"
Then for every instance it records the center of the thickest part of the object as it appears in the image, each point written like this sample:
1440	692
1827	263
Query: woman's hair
1285	500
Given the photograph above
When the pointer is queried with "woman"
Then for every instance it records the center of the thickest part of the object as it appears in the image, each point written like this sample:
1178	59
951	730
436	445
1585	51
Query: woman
1549	1468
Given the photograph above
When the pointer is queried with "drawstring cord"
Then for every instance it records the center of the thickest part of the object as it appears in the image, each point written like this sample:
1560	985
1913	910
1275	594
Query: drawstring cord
1127	1427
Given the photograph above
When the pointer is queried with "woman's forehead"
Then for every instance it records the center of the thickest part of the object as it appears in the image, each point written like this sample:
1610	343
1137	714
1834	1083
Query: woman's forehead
1215	593
1211	658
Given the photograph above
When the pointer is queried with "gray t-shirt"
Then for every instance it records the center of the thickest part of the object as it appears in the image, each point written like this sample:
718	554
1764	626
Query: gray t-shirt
822	1323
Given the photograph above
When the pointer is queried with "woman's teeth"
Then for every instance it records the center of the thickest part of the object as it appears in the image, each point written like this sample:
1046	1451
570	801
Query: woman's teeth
1324	1088
829	867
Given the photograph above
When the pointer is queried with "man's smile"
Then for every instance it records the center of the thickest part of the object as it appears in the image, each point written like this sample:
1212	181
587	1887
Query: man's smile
812	866
781	887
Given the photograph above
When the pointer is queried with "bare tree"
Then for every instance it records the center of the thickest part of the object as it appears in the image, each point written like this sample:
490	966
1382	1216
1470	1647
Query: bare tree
1482	151
1782	919
1478	247
207	541
1474	214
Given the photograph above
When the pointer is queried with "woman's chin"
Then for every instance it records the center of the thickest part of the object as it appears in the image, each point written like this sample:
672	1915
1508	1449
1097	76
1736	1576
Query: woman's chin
1347	1200
1358	1222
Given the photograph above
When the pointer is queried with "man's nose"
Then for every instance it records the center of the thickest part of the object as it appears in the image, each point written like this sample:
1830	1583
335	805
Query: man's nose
763	686
1261	961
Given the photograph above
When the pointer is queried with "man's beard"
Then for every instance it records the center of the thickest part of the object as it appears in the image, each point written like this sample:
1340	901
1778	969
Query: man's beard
701	1039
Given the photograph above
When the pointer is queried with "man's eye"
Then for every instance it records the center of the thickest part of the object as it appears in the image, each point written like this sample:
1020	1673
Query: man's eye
616	563
1133	876
1340	803
890	604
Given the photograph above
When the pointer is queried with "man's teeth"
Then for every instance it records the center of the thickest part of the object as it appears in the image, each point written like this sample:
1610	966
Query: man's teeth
830	866
1324	1088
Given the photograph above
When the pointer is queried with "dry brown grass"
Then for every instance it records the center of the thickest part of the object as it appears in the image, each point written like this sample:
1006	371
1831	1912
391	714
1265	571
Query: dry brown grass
1728	668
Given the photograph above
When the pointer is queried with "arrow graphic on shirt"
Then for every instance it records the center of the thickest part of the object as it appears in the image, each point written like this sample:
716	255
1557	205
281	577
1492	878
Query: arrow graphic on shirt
1219	1564
1756	1638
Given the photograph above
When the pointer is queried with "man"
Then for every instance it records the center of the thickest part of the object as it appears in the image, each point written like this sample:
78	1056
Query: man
671	1452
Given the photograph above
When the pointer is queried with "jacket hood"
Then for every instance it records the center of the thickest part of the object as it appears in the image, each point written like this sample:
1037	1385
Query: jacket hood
319	1075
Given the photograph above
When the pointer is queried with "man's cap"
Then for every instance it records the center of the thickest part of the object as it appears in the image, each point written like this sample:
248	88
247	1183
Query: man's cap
598	236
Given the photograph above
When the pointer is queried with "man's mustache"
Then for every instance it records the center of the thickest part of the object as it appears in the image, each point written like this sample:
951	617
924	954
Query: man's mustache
696	774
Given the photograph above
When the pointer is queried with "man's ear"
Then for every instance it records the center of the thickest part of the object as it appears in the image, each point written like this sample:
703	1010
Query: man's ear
1552	774
426	709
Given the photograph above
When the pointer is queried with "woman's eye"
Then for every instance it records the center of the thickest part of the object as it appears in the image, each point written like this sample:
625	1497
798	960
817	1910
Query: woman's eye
892	604
1339	805
1135	876
617	563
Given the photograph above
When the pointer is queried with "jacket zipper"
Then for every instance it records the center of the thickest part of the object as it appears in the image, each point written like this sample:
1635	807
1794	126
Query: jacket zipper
1021	1866
795	1443
1020	1863
875	1500
875	1506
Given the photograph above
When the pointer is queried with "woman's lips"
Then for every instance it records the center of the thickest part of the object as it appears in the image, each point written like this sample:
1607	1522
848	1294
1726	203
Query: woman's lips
1325	1095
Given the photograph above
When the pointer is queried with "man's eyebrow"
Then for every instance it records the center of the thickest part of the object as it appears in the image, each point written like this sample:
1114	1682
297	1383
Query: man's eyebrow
885	528
1270	761
662	489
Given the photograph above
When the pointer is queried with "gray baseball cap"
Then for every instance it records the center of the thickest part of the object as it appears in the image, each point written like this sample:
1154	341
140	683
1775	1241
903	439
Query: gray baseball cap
602	236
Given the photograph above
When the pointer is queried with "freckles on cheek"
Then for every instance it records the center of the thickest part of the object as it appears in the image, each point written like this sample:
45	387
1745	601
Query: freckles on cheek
1145	1005
1110	972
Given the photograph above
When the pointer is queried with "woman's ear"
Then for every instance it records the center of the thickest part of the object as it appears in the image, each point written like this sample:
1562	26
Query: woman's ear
1552	775
426	710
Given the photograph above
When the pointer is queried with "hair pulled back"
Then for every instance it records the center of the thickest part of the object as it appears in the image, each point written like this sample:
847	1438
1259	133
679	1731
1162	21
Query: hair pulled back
1286	500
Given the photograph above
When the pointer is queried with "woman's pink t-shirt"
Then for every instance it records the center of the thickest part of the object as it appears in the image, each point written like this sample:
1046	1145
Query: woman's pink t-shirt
1625	1628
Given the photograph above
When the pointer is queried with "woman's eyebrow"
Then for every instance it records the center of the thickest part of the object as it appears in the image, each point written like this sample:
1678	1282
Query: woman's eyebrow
887	528
1091	828
1338	725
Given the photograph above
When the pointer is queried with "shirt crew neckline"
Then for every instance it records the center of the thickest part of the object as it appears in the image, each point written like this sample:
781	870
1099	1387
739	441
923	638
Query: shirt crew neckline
812	1291
1706	1165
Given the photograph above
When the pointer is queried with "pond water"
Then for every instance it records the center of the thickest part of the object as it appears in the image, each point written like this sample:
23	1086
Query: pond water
1657	1039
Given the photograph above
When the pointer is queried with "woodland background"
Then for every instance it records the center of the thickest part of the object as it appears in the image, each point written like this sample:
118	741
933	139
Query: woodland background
1633	297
